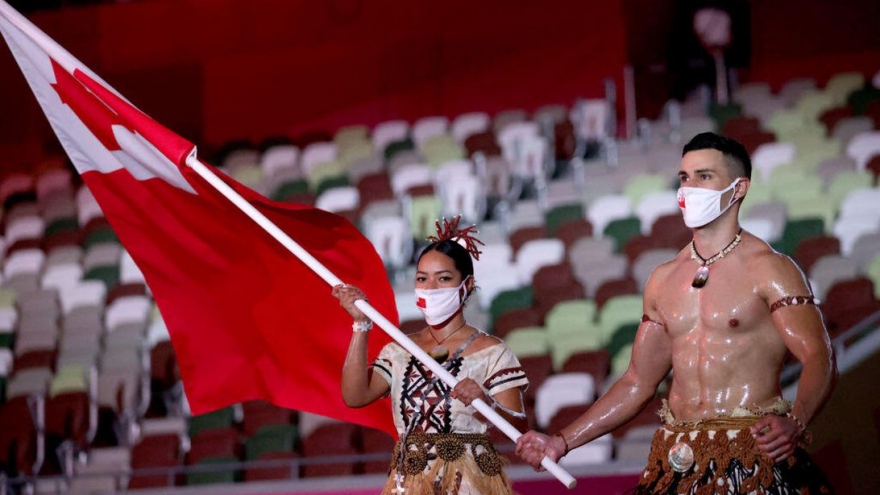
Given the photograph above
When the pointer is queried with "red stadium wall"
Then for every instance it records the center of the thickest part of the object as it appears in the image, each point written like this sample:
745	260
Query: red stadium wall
216	70
813	38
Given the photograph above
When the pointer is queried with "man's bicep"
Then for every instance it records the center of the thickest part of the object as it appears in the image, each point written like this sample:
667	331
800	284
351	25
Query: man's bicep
651	354
794	309
802	329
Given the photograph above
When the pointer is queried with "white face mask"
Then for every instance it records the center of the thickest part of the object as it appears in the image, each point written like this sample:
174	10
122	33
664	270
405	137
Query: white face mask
700	206
439	305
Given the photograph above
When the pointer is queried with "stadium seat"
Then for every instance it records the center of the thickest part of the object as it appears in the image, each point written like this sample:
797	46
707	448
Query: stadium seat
847	302
215	420
552	284
622	230
387	132
654	205
427	127
336	439
595	362
507	300
528	341
375	442
865	249
537	368
515	318
608	208
257	414
560	390
572	231
468	124
212	442
562	214
596	452
810	250
829	270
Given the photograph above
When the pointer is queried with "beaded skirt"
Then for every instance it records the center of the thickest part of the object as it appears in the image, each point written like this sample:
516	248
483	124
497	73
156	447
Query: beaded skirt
447	463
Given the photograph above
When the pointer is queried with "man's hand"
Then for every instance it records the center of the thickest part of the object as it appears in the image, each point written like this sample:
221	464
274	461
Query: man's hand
532	447
776	436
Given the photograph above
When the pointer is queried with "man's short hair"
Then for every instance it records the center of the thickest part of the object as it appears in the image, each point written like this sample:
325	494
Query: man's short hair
735	155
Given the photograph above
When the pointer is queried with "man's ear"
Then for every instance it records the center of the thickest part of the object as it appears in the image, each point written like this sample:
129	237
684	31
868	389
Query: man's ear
742	187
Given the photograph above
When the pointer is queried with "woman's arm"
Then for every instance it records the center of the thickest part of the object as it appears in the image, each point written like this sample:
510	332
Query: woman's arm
507	403
360	387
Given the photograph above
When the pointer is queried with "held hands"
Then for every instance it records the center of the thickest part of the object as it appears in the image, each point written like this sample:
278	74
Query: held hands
777	436
347	295
532	447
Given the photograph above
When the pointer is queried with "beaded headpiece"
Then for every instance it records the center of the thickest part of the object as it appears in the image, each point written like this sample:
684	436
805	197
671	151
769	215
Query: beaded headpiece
449	230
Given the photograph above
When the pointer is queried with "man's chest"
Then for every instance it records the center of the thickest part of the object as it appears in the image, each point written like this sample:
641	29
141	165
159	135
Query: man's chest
729	302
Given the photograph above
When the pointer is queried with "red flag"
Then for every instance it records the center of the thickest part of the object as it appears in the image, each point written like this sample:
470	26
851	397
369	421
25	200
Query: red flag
248	320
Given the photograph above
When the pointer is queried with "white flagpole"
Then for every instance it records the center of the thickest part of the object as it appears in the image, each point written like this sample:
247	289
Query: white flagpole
502	424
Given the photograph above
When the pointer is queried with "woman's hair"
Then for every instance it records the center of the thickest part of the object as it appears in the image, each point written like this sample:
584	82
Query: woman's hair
449	240
460	256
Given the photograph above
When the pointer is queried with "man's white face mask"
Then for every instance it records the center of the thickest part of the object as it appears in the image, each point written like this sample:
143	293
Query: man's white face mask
439	305
701	206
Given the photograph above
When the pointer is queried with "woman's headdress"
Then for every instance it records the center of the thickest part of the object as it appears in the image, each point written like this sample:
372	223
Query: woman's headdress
449	230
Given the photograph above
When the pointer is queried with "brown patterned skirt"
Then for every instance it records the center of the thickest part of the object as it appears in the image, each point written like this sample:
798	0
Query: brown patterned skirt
448	463
720	457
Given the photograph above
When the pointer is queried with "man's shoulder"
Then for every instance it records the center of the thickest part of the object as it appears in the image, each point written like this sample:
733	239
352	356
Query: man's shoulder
758	252
681	257
772	266
664	269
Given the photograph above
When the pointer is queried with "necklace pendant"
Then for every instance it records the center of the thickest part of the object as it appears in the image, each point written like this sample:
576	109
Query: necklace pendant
701	277
440	354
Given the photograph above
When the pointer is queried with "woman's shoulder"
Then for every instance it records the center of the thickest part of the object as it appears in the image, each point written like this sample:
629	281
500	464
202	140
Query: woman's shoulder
392	348
486	343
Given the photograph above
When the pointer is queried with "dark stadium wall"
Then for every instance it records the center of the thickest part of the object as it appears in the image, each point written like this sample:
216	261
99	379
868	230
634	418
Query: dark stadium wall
788	38
846	434
814	38
218	70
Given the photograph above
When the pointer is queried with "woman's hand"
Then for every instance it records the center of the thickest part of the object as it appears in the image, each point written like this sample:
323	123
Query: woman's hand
347	295
467	390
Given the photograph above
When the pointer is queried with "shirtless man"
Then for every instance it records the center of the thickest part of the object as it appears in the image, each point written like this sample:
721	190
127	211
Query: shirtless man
721	316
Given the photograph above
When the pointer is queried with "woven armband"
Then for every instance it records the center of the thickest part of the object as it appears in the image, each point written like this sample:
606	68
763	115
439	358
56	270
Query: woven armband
794	301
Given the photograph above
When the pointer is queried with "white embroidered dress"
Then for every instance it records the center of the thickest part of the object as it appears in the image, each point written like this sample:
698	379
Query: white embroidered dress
495	367
417	397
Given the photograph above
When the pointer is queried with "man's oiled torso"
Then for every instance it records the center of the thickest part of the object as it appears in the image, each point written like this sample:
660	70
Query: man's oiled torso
726	353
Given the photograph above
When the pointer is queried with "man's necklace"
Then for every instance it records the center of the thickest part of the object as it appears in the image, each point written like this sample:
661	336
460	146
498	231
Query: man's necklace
702	275
440	353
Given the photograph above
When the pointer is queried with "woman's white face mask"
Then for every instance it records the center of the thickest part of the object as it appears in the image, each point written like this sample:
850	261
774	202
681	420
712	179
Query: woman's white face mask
438	305
701	206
